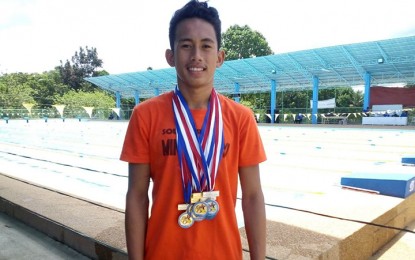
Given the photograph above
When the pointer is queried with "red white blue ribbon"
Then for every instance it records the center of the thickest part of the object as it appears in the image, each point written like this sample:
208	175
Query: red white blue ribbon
199	153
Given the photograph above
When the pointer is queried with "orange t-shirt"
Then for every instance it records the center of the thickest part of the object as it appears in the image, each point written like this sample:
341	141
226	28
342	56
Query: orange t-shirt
151	139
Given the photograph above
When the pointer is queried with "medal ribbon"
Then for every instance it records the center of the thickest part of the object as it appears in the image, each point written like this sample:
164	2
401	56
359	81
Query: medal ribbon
199	153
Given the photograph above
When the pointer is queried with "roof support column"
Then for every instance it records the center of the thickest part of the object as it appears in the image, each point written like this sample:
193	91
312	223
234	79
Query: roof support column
366	97
136	97
314	110
273	99
236	93
117	99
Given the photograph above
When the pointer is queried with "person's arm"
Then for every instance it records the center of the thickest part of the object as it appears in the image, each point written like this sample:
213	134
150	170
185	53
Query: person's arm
136	210
254	211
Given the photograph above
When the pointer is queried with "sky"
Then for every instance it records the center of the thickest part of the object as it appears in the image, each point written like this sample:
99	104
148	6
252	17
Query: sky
132	35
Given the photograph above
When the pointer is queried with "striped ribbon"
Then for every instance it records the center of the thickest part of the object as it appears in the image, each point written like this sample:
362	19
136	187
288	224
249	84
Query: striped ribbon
199	153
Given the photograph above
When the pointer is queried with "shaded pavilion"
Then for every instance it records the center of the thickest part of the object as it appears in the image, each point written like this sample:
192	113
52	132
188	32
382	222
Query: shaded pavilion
367	63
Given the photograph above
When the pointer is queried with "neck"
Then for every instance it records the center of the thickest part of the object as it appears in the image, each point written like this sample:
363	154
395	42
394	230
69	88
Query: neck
196	98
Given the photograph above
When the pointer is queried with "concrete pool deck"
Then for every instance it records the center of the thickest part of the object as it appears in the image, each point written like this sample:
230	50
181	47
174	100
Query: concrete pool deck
97	231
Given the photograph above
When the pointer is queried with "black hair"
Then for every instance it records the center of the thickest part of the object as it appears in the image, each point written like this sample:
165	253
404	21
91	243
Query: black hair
195	9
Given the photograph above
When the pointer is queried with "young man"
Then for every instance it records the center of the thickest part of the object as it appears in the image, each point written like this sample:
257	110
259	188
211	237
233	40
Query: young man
193	144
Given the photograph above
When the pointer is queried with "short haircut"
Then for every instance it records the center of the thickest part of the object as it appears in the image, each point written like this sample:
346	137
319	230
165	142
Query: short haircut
195	9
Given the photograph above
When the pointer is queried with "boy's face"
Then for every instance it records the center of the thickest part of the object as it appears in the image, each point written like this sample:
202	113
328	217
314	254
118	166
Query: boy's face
195	54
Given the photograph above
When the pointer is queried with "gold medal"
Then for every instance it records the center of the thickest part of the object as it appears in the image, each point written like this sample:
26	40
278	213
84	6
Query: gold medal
185	220
199	210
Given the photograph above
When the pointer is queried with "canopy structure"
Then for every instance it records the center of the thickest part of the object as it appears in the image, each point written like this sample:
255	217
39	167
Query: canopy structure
386	61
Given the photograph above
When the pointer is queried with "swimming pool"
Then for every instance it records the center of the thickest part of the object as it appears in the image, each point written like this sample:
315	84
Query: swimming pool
79	158
82	158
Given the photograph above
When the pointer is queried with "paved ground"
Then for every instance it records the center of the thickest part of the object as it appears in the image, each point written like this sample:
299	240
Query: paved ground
401	247
98	231
18	241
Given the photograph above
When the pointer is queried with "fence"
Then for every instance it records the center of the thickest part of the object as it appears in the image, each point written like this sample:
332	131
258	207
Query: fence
98	113
285	116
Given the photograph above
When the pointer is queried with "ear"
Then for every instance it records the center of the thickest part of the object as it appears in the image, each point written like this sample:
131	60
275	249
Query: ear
221	58
170	57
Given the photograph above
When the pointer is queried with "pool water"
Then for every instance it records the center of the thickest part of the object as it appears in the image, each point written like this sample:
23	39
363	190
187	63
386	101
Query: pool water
82	157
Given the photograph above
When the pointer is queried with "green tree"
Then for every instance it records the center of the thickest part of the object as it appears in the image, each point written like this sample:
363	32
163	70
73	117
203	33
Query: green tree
347	97
257	100
76	100
294	99
326	93
79	99
298	101
101	73
241	42
15	89
84	64
47	86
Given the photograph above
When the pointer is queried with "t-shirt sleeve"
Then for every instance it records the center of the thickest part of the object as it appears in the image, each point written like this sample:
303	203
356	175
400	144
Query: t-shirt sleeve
136	142
251	147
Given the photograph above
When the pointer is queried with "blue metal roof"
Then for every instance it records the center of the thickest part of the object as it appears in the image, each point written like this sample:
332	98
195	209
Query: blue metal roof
387	61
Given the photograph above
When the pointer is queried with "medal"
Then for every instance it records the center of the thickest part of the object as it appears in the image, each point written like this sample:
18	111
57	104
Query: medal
213	208
191	213
189	209
197	218
199	155
185	220
199	210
